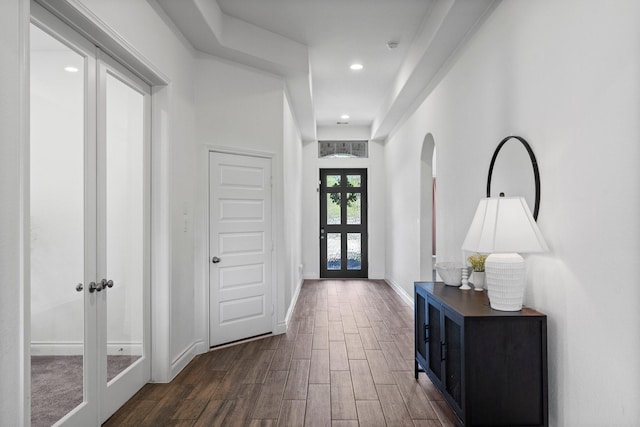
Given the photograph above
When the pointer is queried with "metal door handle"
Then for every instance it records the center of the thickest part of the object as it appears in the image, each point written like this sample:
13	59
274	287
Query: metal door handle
93	287
106	283
79	287
215	260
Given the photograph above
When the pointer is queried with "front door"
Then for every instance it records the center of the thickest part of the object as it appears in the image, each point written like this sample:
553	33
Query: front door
89	217
343	223
240	247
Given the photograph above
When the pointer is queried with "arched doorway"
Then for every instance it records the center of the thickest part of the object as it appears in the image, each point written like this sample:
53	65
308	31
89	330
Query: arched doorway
427	208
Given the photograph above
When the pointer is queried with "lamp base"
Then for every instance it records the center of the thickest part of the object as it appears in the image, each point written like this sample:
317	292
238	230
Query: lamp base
505	279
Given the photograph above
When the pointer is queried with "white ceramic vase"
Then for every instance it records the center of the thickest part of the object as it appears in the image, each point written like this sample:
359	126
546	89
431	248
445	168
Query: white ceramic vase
478	280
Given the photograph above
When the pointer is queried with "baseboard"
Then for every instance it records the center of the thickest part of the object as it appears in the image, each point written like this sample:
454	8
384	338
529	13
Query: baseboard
311	276
76	348
400	291
376	276
292	306
280	328
184	358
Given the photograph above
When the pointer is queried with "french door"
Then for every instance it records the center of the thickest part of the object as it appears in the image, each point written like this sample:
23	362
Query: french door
89	210
343	223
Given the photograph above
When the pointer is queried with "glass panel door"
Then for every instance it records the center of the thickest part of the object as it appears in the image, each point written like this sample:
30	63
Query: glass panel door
343	223
62	257
124	213
89	189
123	230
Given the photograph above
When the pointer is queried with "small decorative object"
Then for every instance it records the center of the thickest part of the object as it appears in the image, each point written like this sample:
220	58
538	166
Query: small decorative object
477	265
478	280
465	279
503	226
450	272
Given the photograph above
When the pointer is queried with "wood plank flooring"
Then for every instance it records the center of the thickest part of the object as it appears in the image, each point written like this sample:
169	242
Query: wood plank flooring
346	360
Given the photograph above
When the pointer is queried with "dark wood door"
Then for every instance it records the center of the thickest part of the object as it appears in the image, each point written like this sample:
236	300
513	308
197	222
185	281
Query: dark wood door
343	223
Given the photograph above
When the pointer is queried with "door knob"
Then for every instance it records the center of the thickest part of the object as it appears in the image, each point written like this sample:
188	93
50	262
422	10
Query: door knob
215	260
106	283
93	287
79	287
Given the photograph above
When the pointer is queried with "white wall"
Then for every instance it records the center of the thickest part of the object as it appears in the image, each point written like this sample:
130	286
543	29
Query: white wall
311	206
14	18
565	76
344	133
241	108
174	149
292	153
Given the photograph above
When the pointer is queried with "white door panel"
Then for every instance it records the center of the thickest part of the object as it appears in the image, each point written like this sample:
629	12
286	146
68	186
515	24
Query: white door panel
240	237
89	191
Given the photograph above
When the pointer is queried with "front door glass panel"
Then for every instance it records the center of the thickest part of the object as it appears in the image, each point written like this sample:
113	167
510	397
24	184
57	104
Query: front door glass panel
334	212
354	207
354	251
334	252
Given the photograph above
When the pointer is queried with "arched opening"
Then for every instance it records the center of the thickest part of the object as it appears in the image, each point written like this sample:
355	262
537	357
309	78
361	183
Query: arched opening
427	208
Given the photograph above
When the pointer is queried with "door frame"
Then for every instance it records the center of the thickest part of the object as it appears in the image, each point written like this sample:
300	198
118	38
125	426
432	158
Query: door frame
81	19
204	330
364	248
101	397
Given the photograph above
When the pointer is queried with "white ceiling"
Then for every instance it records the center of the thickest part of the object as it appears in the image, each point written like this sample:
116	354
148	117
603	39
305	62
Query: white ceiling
338	33
311	43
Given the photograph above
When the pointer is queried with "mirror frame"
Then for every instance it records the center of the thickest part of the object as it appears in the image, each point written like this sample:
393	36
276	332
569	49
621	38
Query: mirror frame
534	163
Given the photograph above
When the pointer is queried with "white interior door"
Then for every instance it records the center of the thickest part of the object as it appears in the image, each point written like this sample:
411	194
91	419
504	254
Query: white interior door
240	241
89	190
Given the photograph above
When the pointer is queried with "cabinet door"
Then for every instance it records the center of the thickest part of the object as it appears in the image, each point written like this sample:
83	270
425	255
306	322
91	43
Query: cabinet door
434	343
421	331
453	339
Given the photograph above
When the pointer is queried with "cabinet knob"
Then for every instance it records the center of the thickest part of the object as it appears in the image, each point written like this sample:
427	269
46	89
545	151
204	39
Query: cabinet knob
426	333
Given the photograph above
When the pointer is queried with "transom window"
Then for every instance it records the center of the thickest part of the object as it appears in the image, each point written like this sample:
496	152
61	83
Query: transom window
337	149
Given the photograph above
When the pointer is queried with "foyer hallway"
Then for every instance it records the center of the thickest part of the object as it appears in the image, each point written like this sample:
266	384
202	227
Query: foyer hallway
346	360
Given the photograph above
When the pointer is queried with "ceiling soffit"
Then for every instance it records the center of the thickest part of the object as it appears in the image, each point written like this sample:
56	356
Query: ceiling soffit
445	29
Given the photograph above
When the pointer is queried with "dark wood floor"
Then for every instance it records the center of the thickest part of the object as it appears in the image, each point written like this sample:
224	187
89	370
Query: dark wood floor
346	360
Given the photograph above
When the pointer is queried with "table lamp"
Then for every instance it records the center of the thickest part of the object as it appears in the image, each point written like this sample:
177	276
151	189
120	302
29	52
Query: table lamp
504	227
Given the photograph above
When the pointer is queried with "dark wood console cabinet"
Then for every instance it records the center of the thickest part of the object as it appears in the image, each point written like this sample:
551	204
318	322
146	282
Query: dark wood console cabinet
491	366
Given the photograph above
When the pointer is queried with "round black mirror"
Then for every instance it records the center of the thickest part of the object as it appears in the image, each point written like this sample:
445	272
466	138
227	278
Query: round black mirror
515	172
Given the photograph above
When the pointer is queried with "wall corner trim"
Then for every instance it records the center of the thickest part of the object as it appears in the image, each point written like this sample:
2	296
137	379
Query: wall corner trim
400	291
180	362
292	306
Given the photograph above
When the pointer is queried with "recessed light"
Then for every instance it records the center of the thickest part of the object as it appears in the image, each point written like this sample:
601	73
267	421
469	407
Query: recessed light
344	116
71	69
356	67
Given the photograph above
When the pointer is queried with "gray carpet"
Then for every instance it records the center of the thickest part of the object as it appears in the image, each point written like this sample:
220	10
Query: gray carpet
56	385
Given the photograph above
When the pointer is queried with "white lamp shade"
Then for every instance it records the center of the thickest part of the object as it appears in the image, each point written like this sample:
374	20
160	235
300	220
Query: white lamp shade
504	225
